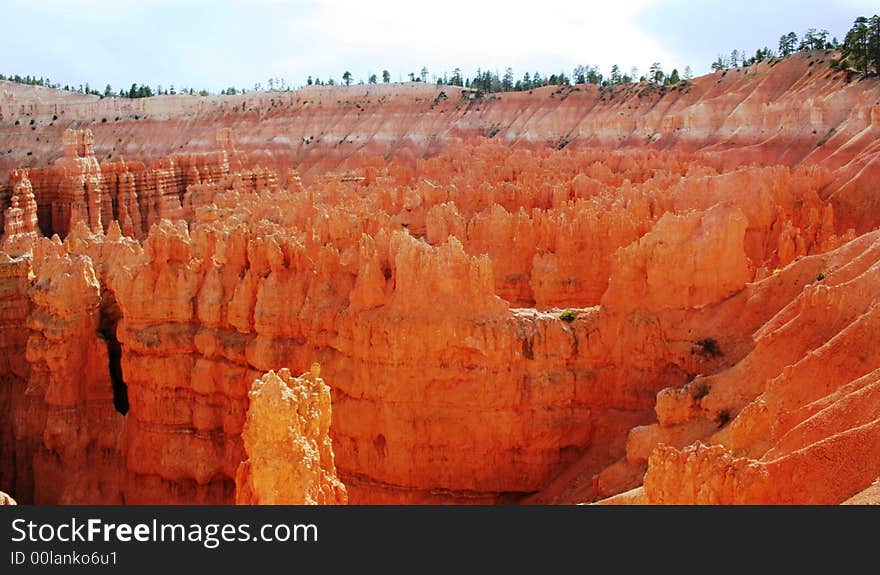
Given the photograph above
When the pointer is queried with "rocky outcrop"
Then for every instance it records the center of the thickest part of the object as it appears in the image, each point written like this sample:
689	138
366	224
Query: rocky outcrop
20	219
287	441
71	419
685	261
77	197
218	322
16	448
791	422
79	188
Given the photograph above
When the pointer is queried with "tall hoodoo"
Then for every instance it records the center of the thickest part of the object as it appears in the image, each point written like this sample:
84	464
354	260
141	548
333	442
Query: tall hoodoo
287	441
20	218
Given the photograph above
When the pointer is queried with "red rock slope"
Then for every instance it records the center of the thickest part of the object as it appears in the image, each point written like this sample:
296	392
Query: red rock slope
714	256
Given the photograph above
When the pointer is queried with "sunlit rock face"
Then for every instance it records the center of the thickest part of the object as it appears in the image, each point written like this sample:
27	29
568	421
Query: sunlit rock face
644	294
286	437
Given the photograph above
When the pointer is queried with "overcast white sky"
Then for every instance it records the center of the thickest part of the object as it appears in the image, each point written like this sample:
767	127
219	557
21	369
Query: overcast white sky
218	43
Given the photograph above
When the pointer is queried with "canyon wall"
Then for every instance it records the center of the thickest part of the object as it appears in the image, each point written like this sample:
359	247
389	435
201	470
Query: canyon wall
16	453
790	111
803	411
557	312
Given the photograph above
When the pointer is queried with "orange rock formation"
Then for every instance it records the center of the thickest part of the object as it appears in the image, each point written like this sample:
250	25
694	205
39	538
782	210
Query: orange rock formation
287	441
16	449
20	219
713	245
71	421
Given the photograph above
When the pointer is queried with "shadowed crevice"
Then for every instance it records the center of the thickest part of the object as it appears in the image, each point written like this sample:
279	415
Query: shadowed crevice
110	316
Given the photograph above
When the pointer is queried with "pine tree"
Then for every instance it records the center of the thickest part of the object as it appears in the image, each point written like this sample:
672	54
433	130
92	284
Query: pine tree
814	40
874	42
857	45
616	78
787	43
655	73
507	81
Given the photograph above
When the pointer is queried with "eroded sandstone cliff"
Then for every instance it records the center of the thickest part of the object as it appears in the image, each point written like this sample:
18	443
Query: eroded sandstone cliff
667	293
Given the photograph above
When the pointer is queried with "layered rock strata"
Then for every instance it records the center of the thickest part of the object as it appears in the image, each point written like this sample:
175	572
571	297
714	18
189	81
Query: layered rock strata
664	297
